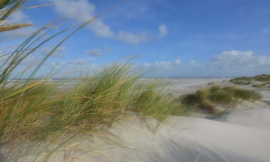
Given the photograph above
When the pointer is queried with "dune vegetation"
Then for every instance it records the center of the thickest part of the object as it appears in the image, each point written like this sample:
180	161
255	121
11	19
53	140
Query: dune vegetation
37	118
242	80
39	111
208	99
264	85
263	78
250	80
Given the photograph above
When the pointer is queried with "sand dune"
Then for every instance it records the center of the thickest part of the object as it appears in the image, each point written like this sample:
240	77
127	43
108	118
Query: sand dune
191	139
243	135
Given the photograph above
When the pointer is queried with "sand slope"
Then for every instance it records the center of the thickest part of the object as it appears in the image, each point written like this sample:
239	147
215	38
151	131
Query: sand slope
243	135
191	139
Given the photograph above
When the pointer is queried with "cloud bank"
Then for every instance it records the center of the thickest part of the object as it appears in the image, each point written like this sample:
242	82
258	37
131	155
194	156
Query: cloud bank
229	63
87	11
94	52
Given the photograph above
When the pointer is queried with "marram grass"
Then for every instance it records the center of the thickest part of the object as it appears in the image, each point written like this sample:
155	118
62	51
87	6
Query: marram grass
4	28
38	119
208	98
41	111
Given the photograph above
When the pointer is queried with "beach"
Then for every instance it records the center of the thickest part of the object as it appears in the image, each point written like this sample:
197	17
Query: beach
242	135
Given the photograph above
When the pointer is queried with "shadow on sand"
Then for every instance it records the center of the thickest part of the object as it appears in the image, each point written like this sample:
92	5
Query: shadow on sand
267	102
1	157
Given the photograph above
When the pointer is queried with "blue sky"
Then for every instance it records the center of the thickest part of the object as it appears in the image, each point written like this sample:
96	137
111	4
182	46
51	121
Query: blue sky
172	38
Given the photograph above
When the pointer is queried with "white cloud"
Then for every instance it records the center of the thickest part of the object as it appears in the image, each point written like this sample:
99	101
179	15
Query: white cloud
20	17
94	52
29	60
147	65
133	39
177	62
86	10
163	65
229	63
108	48
238	59
57	65
162	31
59	52
80	61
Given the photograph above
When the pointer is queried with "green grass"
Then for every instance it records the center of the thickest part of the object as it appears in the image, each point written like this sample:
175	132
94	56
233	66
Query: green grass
259	85
248	80
262	77
40	111
242	80
207	99
37	118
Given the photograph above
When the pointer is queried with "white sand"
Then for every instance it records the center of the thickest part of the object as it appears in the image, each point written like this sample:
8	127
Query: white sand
191	139
243	135
240	136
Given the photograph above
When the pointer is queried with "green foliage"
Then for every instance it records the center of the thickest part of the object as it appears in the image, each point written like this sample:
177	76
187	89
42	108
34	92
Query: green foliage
242	80
248	80
264	85
262	77
37	115
208	98
245	94
40	111
259	85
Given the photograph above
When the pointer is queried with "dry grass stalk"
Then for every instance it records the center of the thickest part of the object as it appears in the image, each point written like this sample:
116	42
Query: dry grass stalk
4	28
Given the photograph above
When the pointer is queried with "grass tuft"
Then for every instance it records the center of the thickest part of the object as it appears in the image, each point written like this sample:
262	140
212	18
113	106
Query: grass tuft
242	80
40	111
208	98
262	77
38	117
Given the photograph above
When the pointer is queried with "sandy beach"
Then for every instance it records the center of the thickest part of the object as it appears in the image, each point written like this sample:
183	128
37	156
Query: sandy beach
242	135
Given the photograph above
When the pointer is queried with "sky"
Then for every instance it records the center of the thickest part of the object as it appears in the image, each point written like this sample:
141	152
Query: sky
167	38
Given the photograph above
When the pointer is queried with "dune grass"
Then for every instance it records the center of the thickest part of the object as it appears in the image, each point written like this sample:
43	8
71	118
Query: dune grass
249	80
41	111
37	118
264	85
242	80
209	98
262	77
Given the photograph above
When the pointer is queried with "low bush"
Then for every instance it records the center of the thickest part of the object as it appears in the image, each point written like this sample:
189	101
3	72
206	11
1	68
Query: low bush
209	98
